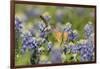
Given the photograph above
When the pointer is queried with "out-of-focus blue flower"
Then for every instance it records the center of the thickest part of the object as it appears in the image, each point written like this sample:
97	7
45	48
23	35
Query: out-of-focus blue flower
50	45
73	35
32	46
42	26
86	57
75	49
72	48
18	24
86	51
59	15
32	12
80	11
28	41
33	42
32	32
68	48
42	34
56	55
68	27
88	29
76	34
24	44
83	49
91	40
46	16
44	39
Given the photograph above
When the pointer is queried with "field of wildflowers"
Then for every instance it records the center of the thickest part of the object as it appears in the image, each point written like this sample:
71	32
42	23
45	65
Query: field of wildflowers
53	34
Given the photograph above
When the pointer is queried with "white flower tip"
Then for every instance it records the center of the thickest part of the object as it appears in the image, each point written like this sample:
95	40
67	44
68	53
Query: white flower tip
75	31
68	24
89	22
71	43
50	42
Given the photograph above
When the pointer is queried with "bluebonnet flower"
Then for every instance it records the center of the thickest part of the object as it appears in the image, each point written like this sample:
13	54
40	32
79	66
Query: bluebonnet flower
42	34
91	40
32	32
73	35
28	41
18	24
88	29
24	44
68	48
33	42
50	45
46	16
32	46
87	57
18	28
70	36
72	48
83	50
44	37
76	34
75	49
42	26
68	27
86	51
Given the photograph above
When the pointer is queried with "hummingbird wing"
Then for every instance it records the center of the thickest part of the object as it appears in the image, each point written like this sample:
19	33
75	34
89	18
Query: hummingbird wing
46	23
